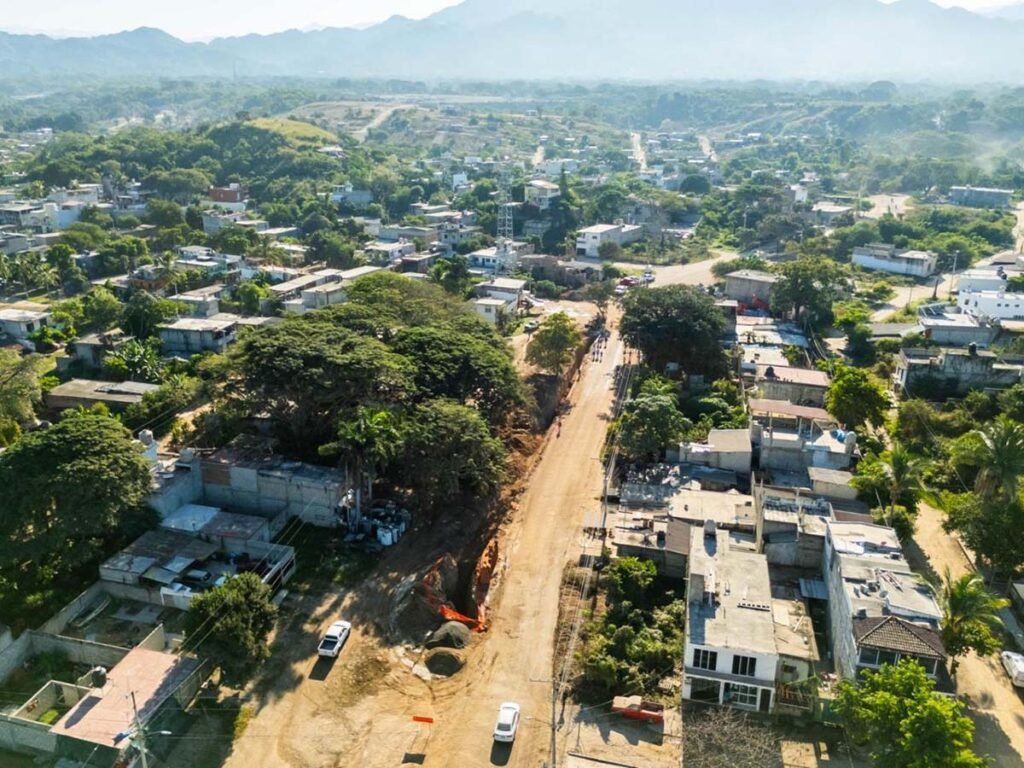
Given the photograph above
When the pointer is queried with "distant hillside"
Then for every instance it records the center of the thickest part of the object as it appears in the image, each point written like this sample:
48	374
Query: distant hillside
582	39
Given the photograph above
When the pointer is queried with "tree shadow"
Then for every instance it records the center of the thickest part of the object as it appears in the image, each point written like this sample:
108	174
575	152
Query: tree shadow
991	741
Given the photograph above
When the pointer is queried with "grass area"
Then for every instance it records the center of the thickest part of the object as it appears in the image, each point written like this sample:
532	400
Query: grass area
242	719
296	132
325	561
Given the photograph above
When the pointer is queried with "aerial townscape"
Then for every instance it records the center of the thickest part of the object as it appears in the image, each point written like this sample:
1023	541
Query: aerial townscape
519	383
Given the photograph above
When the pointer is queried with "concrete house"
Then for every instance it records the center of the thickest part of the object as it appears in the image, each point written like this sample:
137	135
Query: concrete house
590	239
85	392
802	386
887	258
879	610
192	335
90	350
541	193
956	371
749	286
728	449
19	321
730	656
955	327
998	305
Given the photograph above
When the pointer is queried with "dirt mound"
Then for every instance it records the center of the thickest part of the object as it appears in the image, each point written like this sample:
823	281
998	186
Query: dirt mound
452	634
415	610
444	662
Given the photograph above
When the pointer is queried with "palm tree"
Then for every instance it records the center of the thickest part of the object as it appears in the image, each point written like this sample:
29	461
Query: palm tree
970	616
367	441
904	474
1001	459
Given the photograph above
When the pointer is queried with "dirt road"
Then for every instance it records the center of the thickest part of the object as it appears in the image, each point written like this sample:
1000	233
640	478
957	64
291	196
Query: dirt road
1019	231
905	294
995	706
639	153
683	274
708	148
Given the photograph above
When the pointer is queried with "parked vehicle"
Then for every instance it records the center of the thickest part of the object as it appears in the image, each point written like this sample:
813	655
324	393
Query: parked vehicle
636	708
1013	663
334	639
508	722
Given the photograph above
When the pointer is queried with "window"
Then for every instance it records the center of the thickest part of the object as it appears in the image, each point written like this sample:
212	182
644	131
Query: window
869	656
887	657
741	695
705	659
744	665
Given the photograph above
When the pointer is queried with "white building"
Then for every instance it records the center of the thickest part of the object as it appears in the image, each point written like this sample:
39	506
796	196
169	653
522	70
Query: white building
730	656
491	310
504	257
590	239
980	279
869	582
886	258
507	289
542	194
998	305
21	321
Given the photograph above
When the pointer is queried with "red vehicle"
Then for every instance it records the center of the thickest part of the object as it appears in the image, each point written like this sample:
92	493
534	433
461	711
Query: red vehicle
636	708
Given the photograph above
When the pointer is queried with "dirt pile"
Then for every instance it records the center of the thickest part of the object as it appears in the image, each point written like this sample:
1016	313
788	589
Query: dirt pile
452	634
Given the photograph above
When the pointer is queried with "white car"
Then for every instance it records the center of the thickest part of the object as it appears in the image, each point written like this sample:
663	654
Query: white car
334	639
508	722
1013	663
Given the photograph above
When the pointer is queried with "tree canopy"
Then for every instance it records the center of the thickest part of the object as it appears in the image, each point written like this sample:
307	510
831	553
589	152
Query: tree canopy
552	346
675	324
904	723
856	398
229	626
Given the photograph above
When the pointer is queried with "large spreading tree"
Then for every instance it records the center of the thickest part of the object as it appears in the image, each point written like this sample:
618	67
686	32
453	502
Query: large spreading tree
71	493
675	324
554	343
856	398
229	626
904	722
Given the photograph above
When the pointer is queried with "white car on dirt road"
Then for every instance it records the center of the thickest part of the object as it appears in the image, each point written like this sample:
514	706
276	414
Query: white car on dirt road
508	722
1013	663
334	639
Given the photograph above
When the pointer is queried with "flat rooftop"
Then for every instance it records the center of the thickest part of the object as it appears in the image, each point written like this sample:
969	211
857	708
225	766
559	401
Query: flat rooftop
108	391
806	376
794	632
730	509
753	275
792	410
152	676
199	324
734	608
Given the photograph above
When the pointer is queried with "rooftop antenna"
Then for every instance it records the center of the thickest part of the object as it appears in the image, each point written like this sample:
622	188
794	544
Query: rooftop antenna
505	216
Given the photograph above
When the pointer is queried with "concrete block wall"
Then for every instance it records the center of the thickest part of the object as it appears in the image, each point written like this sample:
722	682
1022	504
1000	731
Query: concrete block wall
59	621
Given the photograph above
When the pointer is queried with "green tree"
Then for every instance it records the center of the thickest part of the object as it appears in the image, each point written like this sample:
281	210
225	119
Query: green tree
609	251
368	438
897	476
134	361
649	424
250	295
305	373
70	491
554	343
629	578
990	528
905	724
970	616
856	398
452	274
601	293
808	287
332	248
100	310
164	214
19	386
229	625
448	454
1000	458
144	312
675	324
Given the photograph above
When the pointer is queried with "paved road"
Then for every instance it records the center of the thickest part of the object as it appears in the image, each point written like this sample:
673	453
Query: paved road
906	294
683	274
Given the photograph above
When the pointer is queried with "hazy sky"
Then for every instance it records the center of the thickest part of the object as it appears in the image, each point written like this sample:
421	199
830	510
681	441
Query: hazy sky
204	19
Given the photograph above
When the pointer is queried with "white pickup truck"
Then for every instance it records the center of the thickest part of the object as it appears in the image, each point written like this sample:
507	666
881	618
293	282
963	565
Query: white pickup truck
334	639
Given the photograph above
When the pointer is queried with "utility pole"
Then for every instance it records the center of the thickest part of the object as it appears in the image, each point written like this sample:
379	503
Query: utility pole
553	762
140	734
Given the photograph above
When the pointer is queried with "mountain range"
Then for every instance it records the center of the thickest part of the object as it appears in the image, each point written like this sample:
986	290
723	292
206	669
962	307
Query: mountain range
652	40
